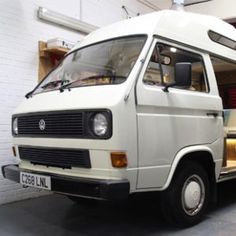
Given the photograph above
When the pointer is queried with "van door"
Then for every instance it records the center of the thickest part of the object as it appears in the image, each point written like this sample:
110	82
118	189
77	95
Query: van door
225	73
171	121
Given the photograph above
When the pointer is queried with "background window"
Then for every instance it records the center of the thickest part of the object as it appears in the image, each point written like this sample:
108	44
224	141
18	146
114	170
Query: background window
225	73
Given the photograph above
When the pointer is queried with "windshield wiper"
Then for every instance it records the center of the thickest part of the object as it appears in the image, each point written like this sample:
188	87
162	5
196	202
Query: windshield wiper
54	83
94	77
63	87
51	83
29	94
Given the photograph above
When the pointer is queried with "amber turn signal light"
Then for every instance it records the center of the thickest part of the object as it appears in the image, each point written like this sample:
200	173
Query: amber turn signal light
119	159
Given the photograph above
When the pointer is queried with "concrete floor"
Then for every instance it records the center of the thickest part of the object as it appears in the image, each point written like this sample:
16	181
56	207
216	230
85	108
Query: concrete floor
59	216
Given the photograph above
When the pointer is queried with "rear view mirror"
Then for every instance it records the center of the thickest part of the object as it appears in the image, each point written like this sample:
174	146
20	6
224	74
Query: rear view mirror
183	74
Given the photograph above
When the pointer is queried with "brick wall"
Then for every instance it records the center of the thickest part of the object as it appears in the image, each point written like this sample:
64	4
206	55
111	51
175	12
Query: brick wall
20	31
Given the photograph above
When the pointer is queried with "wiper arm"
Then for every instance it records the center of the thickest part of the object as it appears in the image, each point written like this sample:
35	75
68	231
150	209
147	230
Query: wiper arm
63	87
51	83
54	83
94	77
29	94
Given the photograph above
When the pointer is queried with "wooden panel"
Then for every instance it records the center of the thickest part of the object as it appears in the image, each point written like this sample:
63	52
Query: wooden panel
48	58
231	149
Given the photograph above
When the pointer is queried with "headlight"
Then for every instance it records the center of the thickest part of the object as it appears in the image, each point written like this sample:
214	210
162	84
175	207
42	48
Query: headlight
100	124
15	126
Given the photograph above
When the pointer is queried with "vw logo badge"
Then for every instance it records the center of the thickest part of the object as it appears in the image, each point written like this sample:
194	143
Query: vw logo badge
42	124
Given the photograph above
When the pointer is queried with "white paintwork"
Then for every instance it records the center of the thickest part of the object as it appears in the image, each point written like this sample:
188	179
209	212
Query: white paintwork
20	31
173	120
108	97
155	129
187	28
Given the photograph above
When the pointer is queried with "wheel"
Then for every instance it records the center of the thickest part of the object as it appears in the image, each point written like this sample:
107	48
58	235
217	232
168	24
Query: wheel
185	201
82	201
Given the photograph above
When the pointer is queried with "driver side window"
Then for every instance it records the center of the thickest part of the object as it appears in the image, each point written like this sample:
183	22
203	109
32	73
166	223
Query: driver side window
160	70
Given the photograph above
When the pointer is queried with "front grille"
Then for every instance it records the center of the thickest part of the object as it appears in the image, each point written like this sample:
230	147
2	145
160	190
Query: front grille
59	124
56	157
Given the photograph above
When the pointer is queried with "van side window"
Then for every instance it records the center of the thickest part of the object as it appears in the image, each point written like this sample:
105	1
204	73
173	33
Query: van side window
225	72
167	56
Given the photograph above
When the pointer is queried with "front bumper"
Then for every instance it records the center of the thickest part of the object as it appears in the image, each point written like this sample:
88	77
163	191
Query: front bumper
92	188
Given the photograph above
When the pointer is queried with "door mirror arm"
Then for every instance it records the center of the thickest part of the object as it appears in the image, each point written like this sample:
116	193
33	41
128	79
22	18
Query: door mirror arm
166	89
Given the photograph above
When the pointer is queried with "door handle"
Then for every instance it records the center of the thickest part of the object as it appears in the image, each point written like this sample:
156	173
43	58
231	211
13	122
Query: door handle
215	114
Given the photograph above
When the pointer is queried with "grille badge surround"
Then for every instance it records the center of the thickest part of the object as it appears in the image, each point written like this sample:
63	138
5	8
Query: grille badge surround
42	124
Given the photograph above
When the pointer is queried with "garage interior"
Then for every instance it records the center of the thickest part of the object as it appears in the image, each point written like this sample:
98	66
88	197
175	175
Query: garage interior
34	37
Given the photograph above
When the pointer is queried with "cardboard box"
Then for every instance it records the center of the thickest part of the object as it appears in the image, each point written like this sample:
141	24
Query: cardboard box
57	42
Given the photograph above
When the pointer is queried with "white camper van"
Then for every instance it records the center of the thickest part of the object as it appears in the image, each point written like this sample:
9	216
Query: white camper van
146	104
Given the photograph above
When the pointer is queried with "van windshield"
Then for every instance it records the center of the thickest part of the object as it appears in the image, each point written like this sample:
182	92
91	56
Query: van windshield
104	63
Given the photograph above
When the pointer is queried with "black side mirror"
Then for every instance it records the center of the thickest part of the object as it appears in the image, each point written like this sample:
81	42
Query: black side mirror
183	74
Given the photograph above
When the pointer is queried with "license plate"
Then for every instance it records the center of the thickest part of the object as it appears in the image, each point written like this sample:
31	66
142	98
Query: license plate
37	181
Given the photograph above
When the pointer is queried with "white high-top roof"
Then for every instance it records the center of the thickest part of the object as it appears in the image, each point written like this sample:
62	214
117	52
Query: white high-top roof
188	28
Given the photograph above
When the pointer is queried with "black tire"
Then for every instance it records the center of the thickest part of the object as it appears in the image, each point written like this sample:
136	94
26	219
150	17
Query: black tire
184	203
83	201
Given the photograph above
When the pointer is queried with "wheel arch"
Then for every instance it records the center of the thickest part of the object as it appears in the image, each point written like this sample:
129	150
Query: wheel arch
199	154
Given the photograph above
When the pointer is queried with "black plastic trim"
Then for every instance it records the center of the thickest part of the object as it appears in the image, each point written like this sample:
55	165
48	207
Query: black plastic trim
90	117
87	114
86	187
216	37
37	156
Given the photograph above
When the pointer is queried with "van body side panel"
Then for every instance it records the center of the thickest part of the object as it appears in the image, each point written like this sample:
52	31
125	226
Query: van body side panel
169	122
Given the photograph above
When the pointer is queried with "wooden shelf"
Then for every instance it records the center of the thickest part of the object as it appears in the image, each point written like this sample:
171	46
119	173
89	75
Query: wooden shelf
49	58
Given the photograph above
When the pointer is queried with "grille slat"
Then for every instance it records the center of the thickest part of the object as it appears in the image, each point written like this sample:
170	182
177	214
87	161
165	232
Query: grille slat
64	158
53	126
65	126
59	124
57	120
